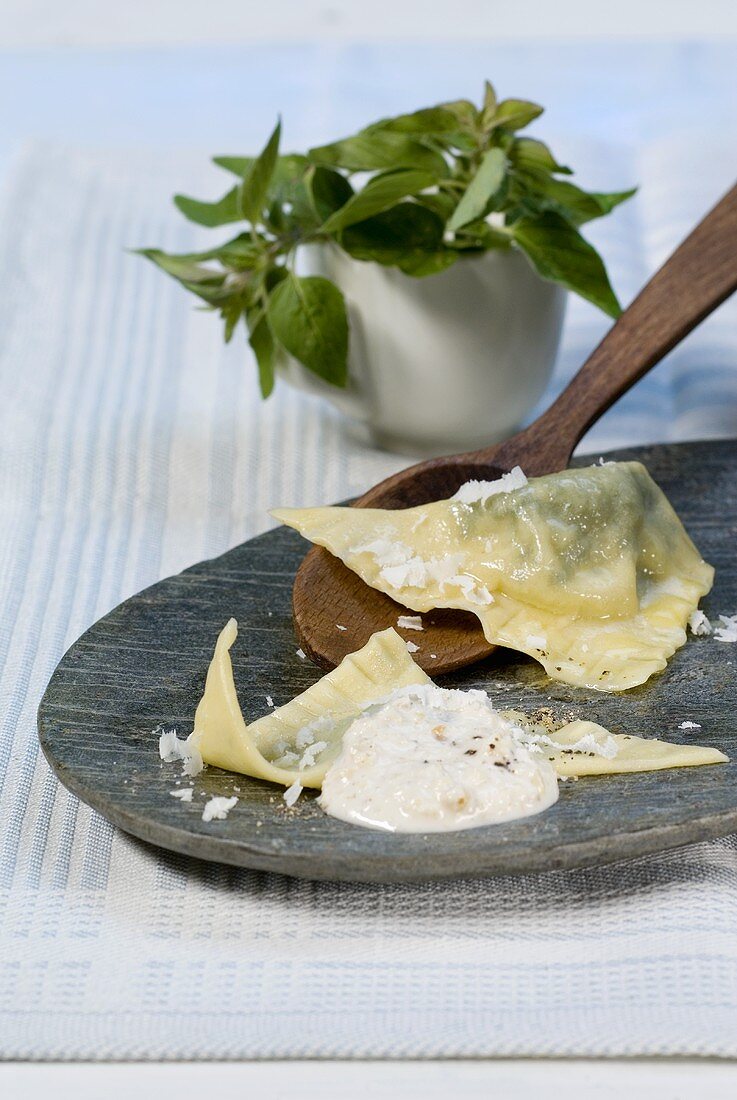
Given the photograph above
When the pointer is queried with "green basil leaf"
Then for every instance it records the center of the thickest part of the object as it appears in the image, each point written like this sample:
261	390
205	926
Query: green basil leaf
575	204
581	206
484	185
241	253
464	112
289	166
289	185
255	185
369	152
209	285
211	214
183	267
428	263
462	141
289	173
608	200
308	317
274	275
380	193
275	218
231	314
532	155
431	120
405	234
440	202
559	253
481	235
264	348
328	191
239	166
227	291
519	202
216	296
488	109
515	114
409	236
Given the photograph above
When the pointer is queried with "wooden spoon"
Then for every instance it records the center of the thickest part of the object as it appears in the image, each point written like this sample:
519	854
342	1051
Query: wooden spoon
699	275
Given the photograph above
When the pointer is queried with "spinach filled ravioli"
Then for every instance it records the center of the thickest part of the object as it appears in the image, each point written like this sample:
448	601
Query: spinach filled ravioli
389	749
589	571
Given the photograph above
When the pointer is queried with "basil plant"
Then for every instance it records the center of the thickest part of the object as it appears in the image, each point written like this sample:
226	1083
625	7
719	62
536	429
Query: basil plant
418	192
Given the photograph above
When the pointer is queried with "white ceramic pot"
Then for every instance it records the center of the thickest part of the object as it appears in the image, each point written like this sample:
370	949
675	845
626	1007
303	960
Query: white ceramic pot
449	362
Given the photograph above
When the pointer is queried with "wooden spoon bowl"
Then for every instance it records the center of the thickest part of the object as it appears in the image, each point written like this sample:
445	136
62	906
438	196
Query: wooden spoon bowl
700	274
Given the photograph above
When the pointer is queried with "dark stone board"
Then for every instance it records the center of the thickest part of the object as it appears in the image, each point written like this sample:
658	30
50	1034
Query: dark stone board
144	664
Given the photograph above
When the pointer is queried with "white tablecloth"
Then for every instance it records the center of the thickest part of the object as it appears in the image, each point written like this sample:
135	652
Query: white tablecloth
134	444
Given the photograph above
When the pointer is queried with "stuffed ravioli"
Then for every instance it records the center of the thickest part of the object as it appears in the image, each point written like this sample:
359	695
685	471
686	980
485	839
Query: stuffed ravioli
411	744
589	571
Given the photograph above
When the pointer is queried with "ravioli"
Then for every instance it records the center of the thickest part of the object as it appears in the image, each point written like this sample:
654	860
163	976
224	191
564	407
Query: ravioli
302	738
586	748
299	741
589	571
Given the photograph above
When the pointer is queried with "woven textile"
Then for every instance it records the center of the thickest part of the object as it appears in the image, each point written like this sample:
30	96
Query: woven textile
133	444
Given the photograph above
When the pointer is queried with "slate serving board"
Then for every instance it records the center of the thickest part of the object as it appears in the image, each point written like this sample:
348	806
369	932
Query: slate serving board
144	665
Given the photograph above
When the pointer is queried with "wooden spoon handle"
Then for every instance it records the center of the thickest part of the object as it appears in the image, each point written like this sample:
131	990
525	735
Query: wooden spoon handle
700	274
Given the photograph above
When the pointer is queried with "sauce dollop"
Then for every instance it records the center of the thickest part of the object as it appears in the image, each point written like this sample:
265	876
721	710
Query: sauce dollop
430	759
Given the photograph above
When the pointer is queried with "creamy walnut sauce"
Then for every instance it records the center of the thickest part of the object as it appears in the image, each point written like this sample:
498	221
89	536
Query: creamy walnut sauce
429	759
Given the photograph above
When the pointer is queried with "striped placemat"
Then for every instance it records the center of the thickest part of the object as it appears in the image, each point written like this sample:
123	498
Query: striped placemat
133	444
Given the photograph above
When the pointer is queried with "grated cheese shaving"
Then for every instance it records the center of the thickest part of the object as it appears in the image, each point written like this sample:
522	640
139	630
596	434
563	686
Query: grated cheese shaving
587	744
698	623
411	647
218	808
690	726
411	573
311	752
292	793
193	762
184	794
478	492
401	568
287	759
304	738
409	622
727	631
471	589
173	748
